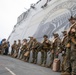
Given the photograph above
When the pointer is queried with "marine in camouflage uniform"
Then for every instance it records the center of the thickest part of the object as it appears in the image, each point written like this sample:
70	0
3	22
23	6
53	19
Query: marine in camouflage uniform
35	50
56	43
23	49
4	47
29	47
63	49
70	66
46	47
14	48
73	51
18	46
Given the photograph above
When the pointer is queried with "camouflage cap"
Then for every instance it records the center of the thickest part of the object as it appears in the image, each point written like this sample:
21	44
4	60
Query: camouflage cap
64	32
3	39
24	39
72	18
30	37
45	36
55	34
19	40
14	40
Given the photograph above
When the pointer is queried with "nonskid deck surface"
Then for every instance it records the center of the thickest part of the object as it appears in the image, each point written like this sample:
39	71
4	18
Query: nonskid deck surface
11	66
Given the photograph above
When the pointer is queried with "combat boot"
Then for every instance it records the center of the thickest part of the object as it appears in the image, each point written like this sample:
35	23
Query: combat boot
32	61
65	73
49	66
73	73
40	64
35	62
43	65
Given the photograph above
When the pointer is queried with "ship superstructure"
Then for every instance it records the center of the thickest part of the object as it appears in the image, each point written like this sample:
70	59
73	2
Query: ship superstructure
44	17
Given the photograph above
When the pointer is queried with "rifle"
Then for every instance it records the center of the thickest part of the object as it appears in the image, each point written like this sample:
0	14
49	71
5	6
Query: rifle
71	26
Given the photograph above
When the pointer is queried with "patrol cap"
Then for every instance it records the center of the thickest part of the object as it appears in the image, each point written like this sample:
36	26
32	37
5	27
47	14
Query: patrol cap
55	34
72	18
19	40
14	40
3	39
45	36
24	39
64	32
30	37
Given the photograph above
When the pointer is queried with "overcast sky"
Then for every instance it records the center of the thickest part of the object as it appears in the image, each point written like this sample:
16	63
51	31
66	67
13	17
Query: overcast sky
9	11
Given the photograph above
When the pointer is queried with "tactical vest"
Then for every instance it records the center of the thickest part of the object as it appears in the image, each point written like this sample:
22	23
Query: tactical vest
46	46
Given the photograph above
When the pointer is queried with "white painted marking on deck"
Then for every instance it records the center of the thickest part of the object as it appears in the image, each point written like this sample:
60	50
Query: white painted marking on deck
10	71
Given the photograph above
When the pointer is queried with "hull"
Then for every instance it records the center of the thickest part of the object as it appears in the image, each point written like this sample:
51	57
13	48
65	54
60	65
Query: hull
44	18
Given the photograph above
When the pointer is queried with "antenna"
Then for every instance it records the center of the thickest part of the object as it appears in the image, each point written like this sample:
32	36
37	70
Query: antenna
25	8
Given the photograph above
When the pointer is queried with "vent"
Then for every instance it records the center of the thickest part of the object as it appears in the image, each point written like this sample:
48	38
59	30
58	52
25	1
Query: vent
32	6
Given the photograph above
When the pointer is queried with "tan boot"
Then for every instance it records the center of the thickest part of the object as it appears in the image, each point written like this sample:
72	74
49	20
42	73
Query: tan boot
65	73
43	65
34	62
47	66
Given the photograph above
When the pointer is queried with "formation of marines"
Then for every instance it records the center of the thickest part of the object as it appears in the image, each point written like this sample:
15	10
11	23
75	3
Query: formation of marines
66	46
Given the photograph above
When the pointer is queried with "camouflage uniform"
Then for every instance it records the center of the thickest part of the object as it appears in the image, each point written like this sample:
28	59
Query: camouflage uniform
46	47
70	65
73	49
18	46
5	47
63	49
23	49
35	51
29	47
55	47
71	55
14	48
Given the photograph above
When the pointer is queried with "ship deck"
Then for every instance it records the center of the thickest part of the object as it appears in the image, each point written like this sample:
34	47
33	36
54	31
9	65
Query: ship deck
12	66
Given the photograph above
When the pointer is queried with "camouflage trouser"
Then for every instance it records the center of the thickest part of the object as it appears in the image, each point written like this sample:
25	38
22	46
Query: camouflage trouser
70	62
70	66
12	52
73	62
67	64
73	66
43	57
21	54
35	54
53	56
17	52
63	63
51	59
